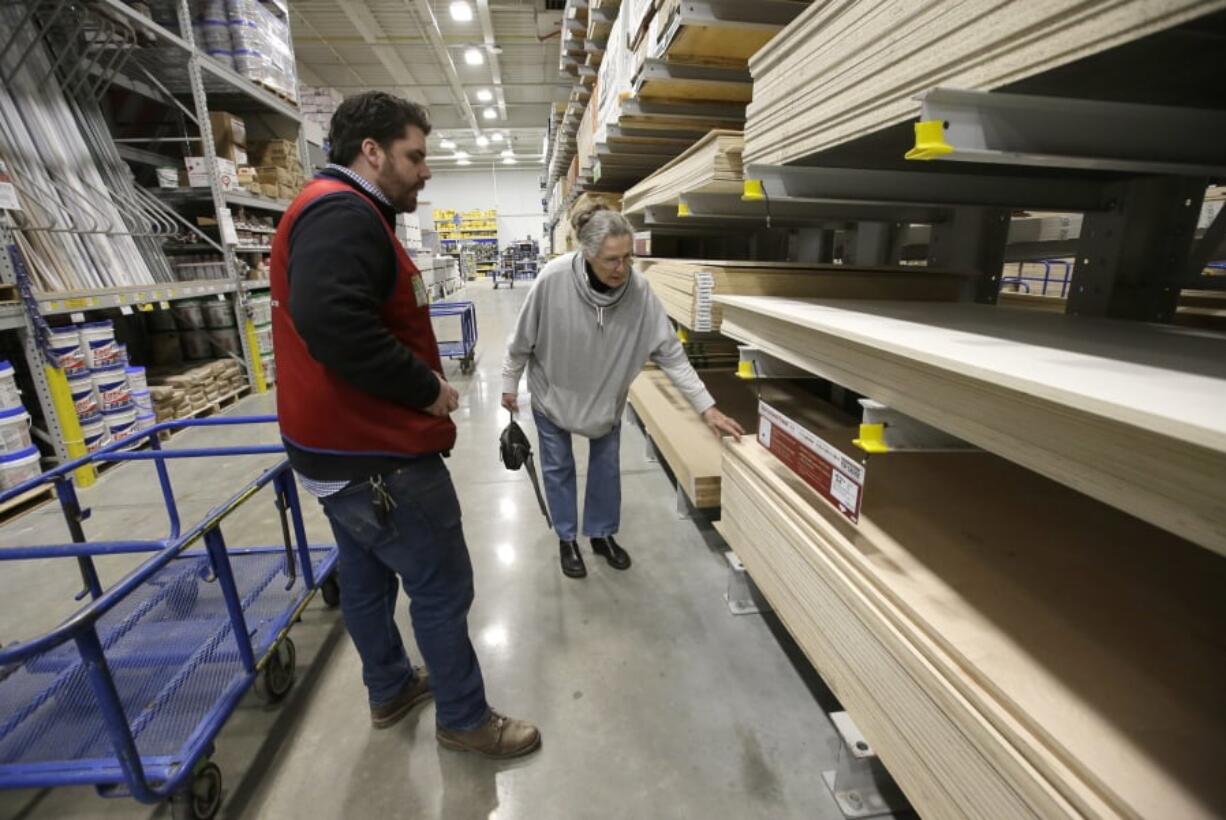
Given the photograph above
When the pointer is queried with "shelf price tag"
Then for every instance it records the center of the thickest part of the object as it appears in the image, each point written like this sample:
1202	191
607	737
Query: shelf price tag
126	310
164	305
836	476
229	234
77	317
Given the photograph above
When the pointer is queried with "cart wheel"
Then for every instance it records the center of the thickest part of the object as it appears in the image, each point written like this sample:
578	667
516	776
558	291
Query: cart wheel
202	799
330	589
274	683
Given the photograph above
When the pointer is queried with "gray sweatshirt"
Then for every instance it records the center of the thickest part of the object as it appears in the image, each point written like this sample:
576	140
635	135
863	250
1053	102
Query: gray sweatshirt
583	348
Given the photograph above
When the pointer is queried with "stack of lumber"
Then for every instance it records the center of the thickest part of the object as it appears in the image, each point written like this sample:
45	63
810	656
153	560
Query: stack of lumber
688	287
711	165
1002	664
1128	413
710	351
844	70
685	442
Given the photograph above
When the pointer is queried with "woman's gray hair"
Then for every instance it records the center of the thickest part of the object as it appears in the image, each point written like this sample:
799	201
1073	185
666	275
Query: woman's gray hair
596	224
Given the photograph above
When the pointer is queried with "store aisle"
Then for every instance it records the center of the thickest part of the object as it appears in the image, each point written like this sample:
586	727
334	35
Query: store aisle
653	700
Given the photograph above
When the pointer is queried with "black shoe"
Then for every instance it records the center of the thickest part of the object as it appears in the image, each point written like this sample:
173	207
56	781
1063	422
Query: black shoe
572	561
617	557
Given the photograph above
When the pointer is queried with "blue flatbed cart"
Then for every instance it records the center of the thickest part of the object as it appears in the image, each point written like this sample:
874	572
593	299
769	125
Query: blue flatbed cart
465	347
129	694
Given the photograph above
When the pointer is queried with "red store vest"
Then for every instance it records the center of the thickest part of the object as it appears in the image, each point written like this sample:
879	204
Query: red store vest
317	409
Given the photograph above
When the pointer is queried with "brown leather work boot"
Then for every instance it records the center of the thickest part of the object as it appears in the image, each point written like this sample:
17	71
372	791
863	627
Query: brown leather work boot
498	738
387	715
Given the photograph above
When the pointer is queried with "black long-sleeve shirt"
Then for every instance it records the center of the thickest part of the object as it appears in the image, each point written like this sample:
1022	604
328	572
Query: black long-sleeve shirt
342	270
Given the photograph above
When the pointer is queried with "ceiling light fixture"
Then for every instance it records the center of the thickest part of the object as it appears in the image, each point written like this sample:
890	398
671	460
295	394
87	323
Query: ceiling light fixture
489	113
485	95
508	153
473	56
483	140
460	155
463	162
447	145
496	136
510	161
461	12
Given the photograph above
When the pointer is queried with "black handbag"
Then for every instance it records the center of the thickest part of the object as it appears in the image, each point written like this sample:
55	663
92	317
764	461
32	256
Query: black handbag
516	451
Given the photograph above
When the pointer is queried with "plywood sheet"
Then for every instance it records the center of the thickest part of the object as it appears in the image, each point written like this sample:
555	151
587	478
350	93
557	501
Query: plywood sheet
1076	655
1131	414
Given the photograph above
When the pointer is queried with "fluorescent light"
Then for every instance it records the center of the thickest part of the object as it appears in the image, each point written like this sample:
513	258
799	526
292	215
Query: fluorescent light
508	153
489	113
510	161
485	95
461	12
483	140
474	57
447	145
496	136
463	162
460	155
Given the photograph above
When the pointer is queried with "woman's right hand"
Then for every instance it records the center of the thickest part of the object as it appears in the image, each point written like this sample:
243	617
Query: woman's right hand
511	402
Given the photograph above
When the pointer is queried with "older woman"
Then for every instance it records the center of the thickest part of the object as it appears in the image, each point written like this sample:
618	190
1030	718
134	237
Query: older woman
587	329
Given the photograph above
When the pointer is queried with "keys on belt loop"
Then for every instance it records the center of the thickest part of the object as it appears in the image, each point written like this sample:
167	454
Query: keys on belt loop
382	499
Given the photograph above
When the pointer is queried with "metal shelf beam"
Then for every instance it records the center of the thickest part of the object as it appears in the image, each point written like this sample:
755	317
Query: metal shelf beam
931	188
1051	132
811	210
139	296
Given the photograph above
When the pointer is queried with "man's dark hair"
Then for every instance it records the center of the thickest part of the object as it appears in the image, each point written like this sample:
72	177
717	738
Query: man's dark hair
376	115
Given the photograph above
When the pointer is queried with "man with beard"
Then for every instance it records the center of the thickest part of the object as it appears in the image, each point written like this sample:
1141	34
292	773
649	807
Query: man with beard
365	415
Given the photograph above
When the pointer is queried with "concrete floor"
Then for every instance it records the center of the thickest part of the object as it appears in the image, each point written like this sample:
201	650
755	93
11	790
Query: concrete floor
653	700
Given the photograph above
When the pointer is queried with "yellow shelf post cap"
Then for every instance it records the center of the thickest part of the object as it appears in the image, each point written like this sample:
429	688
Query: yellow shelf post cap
872	439
753	191
930	141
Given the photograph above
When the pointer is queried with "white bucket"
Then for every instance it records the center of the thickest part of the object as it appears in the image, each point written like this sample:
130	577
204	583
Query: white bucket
10	396
145	420
142	401
14	430
84	396
111	385
136	379
261	310
66	347
95	432
98	342
19	467
196	344
218	315
263	338
120	423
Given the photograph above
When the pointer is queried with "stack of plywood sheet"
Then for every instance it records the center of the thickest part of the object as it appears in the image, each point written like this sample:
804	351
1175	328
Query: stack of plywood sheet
1002	664
711	165
688	287
844	70
1129	413
685	442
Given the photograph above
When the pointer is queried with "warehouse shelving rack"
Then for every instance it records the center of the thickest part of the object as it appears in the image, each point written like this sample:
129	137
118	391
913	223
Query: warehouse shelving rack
164	66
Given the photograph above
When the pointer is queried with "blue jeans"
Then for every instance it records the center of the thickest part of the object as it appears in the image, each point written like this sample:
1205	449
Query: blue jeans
422	542
602	502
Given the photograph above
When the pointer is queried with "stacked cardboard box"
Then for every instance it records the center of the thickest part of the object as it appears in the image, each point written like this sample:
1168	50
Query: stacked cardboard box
319	104
278	168
229	137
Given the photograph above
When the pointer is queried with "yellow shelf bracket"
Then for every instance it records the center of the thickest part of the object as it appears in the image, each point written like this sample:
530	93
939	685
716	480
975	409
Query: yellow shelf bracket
753	191
930	141
683	209
872	439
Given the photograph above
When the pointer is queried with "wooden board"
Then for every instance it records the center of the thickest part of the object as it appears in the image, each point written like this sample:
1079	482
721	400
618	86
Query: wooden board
695	90
685	442
712	165
1002	664
1131	414
687	287
845	70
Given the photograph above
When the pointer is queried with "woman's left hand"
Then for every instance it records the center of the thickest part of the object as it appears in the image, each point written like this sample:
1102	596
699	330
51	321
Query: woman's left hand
722	425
